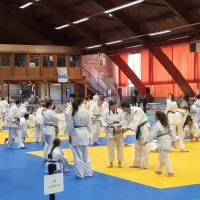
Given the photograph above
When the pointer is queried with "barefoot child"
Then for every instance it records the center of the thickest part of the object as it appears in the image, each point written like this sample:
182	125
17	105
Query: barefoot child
161	130
61	122
57	157
192	129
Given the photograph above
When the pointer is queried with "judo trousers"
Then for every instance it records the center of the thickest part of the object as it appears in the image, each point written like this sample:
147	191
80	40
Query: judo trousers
81	161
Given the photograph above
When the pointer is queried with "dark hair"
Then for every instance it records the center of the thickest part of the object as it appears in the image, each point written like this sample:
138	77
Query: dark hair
101	98
187	99
17	102
2	98
56	143
26	116
86	98
49	102
162	117
73	95
75	105
172	96
125	105
112	102
198	96
189	119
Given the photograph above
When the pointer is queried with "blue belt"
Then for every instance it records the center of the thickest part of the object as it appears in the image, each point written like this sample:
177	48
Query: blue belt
138	133
79	126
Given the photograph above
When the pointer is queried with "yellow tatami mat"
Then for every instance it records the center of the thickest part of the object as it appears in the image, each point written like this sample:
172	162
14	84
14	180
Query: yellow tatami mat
185	166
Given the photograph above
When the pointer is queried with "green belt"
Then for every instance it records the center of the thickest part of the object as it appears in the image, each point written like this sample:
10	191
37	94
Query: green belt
170	112
97	115
162	135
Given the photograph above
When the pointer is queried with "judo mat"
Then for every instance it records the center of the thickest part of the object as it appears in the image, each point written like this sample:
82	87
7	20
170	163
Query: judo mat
22	172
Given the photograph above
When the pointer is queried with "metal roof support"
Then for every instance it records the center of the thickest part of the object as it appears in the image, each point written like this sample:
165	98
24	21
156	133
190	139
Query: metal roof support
156	51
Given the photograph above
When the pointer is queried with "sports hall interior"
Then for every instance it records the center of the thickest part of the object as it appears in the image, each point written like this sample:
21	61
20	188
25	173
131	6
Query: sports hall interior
109	47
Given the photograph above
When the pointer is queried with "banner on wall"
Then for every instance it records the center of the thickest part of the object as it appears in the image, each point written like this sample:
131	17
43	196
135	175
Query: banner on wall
62	75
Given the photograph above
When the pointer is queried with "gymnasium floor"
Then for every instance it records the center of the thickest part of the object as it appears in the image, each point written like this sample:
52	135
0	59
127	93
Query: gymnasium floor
22	171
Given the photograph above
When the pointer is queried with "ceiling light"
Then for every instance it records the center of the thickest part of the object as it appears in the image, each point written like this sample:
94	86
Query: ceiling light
81	20
63	26
91	47
109	43
110	15
26	5
159	33
123	6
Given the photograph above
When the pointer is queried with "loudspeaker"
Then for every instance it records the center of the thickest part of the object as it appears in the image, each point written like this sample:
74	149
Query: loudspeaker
195	47
148	90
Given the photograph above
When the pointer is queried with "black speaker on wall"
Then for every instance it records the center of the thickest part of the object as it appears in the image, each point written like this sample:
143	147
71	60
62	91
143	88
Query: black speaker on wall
148	90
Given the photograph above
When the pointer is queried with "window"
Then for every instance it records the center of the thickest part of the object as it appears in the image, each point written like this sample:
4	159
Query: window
20	60
61	61
34	61
5	60
48	61
134	62
74	61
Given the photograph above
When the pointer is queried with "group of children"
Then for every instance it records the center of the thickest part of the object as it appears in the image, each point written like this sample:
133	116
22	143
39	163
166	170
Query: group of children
168	129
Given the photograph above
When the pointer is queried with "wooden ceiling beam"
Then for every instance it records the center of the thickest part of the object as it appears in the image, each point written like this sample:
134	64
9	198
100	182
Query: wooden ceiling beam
44	31
82	28
182	12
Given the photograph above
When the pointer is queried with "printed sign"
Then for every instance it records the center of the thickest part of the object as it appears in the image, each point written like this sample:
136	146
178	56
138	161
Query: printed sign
53	184
62	75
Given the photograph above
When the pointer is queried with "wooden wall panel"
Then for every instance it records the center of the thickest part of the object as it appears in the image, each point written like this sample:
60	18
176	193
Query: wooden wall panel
34	71
5	71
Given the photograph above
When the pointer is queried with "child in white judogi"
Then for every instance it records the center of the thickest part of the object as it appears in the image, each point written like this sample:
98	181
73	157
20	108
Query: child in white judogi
95	113
32	118
61	121
161	130
195	111
112	121
23	126
57	157
192	129
39	123
78	128
136	121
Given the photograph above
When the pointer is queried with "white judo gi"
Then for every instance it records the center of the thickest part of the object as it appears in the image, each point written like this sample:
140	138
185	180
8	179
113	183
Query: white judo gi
164	145
58	158
49	130
172	107
5	111
14	127
134	120
22	110
192	130
68	108
39	124
115	119
61	123
23	127
181	115
78	128
95	114
87	104
195	111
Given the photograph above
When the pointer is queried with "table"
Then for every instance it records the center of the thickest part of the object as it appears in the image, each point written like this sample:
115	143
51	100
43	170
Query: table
157	105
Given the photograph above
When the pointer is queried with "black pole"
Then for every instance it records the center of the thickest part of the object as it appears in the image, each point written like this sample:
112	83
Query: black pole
51	169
